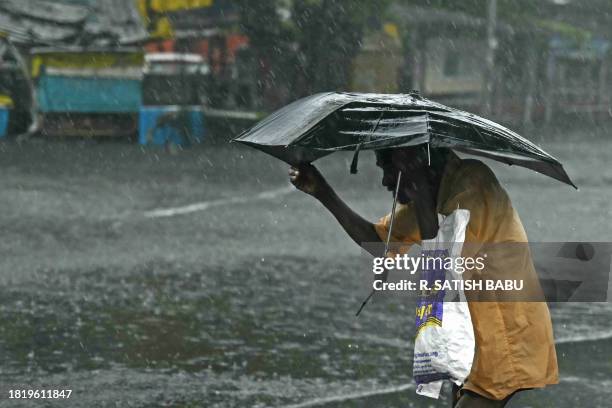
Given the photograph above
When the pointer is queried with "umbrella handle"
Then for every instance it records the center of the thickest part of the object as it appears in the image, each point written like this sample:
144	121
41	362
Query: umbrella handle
355	160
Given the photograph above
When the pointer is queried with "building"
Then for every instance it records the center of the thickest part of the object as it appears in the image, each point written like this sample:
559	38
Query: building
539	69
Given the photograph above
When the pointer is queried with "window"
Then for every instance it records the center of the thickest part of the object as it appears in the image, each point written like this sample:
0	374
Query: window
451	63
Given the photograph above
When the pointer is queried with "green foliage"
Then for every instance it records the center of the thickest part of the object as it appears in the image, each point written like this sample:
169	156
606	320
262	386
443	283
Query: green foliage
508	10
564	29
524	15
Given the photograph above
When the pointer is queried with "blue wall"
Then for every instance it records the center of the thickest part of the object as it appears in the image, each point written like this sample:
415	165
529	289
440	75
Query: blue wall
151	133
59	93
4	118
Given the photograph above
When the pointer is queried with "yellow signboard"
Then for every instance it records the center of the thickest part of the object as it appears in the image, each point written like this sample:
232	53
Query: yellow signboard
85	59
155	10
164	6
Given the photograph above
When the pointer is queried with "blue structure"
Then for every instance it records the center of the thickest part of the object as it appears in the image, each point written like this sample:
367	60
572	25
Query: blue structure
180	125
118	91
88	80
4	119
81	94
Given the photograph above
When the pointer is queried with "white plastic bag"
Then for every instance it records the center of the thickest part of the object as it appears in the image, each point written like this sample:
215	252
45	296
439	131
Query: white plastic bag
444	342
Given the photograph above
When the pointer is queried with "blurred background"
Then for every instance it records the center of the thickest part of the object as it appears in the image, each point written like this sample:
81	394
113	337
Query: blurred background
518	61
147	262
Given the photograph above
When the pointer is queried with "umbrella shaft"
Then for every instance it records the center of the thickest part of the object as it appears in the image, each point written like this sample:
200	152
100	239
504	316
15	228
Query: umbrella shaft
384	275
397	186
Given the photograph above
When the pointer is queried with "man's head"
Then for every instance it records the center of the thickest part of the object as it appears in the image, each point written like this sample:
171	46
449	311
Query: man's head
418	166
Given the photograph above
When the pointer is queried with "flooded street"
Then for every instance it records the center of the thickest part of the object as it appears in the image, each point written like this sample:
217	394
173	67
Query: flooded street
141	278
147	262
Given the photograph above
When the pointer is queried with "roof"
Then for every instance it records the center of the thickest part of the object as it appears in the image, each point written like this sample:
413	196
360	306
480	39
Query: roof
440	18
594	49
71	22
46	10
80	50
26	30
173	57
118	17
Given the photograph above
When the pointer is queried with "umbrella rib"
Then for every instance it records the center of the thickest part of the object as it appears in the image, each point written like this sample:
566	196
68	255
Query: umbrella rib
537	155
346	147
377	123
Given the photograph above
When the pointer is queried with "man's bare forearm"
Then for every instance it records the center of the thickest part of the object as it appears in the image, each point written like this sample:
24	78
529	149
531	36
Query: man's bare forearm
359	229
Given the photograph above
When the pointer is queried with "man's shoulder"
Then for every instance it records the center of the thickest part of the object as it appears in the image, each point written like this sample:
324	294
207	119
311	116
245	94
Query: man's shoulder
476	180
475	187
472	180
472	175
475	169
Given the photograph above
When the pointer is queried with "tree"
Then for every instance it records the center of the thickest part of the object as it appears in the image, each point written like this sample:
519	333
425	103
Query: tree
270	42
312	49
328	34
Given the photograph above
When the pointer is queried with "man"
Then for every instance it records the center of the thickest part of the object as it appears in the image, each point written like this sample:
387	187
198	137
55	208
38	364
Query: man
514	340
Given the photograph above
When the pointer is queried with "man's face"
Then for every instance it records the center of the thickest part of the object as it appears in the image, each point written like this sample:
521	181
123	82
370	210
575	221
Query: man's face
412	162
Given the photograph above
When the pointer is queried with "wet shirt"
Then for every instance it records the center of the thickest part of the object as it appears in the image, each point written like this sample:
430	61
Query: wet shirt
514	339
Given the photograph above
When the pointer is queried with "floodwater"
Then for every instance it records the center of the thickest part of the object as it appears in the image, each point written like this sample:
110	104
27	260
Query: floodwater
139	278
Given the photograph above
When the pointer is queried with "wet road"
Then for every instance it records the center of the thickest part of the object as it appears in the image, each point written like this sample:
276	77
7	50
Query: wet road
139	278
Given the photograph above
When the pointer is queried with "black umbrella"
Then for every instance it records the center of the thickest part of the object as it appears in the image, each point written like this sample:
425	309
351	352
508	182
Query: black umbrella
318	125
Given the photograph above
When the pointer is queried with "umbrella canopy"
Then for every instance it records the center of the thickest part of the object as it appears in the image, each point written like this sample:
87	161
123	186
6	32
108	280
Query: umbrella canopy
318	125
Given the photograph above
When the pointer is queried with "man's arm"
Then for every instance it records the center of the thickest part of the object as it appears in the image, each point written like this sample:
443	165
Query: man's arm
308	179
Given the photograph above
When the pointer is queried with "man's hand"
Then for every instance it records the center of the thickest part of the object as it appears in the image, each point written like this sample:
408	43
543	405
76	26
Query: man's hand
307	179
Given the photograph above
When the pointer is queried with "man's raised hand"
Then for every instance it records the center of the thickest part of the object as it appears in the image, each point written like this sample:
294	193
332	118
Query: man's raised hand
307	178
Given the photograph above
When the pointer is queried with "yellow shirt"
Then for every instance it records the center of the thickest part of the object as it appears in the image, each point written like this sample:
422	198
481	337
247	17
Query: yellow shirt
515	347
